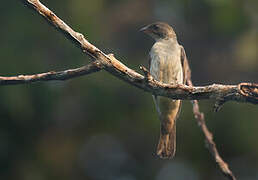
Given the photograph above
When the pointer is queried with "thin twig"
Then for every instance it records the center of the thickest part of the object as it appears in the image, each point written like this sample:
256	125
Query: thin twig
52	75
199	116
211	145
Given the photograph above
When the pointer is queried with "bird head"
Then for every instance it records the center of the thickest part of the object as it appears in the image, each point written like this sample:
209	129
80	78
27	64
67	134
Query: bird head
159	30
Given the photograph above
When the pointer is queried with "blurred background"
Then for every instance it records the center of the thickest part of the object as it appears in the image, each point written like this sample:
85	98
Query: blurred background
97	127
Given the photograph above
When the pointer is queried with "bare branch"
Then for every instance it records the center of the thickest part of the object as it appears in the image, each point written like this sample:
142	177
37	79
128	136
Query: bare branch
115	67
52	75
211	145
199	116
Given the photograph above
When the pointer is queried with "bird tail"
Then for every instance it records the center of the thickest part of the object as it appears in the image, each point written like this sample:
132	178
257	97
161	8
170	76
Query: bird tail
166	148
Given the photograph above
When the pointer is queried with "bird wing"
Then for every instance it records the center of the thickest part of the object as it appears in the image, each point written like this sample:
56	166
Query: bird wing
185	65
149	63
154	96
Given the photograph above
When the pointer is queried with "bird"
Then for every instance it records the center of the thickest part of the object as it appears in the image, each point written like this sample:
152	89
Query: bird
167	64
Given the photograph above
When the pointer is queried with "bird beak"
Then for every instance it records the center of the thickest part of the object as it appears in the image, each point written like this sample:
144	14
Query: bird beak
144	29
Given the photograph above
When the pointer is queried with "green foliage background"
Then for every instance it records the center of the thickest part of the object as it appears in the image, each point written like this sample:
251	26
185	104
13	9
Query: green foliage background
98	127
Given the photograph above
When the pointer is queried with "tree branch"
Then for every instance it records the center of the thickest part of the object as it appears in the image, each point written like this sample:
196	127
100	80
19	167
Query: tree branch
218	92
211	145
52	75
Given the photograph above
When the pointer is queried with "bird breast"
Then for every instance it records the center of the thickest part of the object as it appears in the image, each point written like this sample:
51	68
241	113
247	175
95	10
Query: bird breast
166	62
